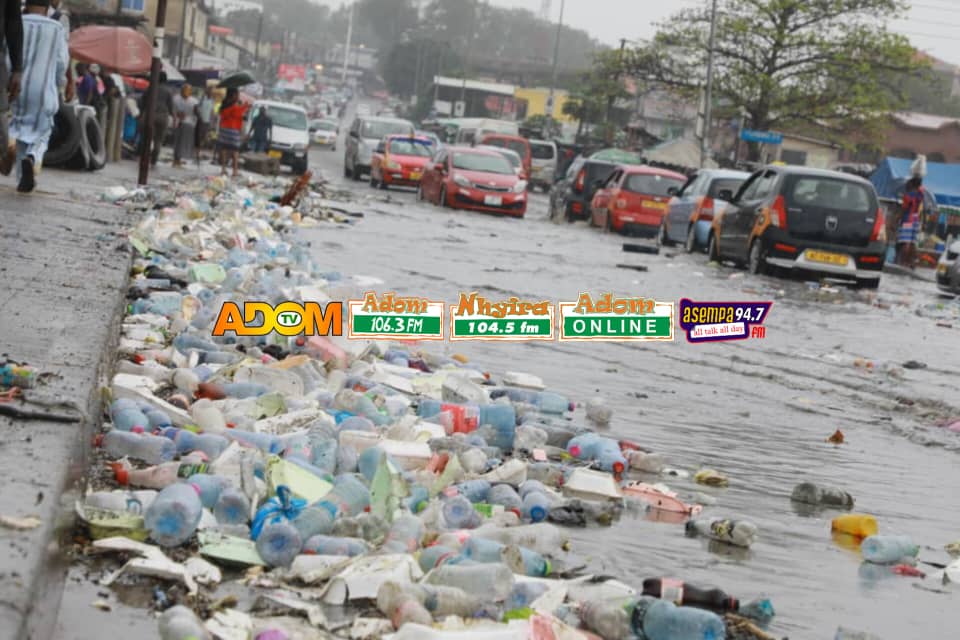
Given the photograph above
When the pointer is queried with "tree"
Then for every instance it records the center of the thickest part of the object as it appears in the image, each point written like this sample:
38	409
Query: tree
387	20
789	64
592	100
398	66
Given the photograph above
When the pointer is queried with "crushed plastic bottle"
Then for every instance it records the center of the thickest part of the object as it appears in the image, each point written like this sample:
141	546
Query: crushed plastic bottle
736	532
174	515
885	549
810	493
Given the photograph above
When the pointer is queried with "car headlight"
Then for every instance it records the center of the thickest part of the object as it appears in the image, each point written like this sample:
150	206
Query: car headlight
520	187
462	181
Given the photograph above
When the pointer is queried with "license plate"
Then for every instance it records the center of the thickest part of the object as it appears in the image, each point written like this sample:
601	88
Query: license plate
828	258
942	268
657	206
493	201
275	154
415	175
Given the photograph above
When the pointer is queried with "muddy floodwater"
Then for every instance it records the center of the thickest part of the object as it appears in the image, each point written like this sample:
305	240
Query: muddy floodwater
758	410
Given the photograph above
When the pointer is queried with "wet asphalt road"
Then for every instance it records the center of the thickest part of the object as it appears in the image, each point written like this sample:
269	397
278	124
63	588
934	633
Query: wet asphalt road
757	410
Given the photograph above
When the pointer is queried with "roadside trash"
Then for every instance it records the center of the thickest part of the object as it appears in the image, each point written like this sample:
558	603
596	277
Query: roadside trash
760	610
908	570
599	412
859	525
20	523
631	247
681	593
181	623
810	493
736	532
660	497
836	438
711	478
14	375
662	620
173	516
646	462
884	549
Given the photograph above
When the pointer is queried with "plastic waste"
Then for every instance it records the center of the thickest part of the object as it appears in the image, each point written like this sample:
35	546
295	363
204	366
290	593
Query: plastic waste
313	521
405	535
542	537
524	594
459	513
505	496
350	496
180	623
810	493
611	620
859	525
483	550
210	487
174	515
127	415
544	401
400	606
662	620
142	446
646	462
685	594
604	451
279	543
493	580
335	546
598	412
536	506
232	507
736	532
434	556
209	443
885	549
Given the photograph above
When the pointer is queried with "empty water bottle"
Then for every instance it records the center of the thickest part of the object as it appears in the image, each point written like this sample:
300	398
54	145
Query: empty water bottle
524	593
598	412
174	515
644	461
604	451
459	513
335	546
279	543
210	487
536	506
181	623
323	452
494	581
401	606
369	462
209	443
347	459
185	342
313	521
465	417
505	496
266	442
126	415
233	507
357	423
360	405
142	446
349	496
367	526
434	556
418	499
610	619
549	473
474	490
662	620
736	532
405	535
473	460
888	549
810	493
483	550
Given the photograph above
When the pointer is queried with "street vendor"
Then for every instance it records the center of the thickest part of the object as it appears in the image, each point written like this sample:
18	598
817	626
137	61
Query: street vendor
910	222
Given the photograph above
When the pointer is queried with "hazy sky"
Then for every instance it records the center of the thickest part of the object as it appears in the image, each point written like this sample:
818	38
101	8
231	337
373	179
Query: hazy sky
932	25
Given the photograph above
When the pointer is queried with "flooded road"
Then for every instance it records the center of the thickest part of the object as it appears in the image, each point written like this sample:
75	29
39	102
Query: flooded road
759	411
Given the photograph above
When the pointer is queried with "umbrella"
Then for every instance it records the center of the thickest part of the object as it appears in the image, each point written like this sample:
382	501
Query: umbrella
139	84
237	80
119	48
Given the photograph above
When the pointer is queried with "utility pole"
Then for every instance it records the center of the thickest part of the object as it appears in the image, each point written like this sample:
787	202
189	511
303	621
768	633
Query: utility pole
155	67
708	97
466	64
256	54
556	59
610	99
183	32
346	50
436	79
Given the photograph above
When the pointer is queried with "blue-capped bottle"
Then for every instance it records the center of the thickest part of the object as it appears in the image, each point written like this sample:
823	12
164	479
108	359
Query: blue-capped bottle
662	620
474	490
536	506
232	507
322	545
173	516
279	543
458	513
349	496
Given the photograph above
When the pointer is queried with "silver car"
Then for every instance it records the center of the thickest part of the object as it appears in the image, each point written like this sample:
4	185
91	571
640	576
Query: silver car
362	140
948	270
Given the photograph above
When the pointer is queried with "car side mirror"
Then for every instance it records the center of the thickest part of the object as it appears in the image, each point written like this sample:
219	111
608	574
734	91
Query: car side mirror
439	167
726	195
673	191
381	148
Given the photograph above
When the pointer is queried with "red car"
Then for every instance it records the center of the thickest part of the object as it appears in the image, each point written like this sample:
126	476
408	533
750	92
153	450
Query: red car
520	146
467	178
399	161
634	199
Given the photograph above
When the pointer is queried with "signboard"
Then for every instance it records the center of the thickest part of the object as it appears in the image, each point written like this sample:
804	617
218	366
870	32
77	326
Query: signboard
766	137
459	108
292	77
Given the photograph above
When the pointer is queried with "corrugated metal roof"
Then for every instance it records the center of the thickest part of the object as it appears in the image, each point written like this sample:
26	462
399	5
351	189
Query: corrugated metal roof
924	120
489	87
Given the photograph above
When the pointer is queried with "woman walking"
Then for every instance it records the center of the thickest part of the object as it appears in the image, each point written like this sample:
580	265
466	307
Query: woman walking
185	115
910	223
231	125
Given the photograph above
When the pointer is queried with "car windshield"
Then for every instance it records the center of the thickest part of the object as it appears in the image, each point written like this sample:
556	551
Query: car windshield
482	162
410	147
288	118
725	184
379	129
323	125
830	193
517	146
541	151
651	184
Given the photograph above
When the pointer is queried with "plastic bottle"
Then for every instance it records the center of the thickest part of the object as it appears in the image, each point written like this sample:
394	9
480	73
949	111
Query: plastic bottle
530	485
434	556
465	417
888	549
210	487
313	521
529	437
156	477
349	497
233	507
524	594
474	490
369	462
208	417
142	446
473	460
400	606
505	496
682	593
209	443
646	462
859	525
185	342
483	550
181	623
158	419
365	526
542	537
598	412
418	499
810	493
536	506
544	401
136	502
604	451
494	581
323	452
549	473
459	513
174	515
357	423
126	415
335	546
405	535
359	404
662	620
610	619
736	532
279	543
347	459
266	442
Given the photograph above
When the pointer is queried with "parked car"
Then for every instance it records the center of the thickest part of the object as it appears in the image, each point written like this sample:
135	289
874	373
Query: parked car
477	179
364	136
948	269
399	161
634	199
801	219
543	163
571	196
324	133
289	136
520	146
690	211
511	156
469	131
433	138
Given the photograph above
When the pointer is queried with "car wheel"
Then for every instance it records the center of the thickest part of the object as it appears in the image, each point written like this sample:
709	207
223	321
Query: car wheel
691	244
713	249
868	283
443	197
757	259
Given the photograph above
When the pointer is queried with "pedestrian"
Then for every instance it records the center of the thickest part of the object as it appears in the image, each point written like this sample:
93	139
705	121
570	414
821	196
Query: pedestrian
185	117
262	131
909	230
45	61
162	116
204	118
231	125
86	84
11	40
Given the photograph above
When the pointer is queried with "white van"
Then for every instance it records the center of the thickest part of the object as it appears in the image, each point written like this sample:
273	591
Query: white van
472	130
543	163
290	135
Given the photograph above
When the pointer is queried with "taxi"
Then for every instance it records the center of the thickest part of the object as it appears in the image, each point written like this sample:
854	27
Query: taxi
399	161
634	199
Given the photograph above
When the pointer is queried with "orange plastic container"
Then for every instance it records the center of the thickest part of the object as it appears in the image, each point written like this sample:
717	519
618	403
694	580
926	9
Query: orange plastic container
860	525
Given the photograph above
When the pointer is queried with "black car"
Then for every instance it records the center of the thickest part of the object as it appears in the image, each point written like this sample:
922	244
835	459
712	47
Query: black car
802	219
571	196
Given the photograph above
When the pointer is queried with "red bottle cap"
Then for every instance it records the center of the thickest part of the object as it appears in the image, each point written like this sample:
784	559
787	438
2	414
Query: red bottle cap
98	440
137	429
121	475
618	467
575	451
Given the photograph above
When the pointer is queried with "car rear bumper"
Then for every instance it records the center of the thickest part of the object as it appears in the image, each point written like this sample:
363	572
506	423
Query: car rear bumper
638	223
786	252
577	209
398	179
512	203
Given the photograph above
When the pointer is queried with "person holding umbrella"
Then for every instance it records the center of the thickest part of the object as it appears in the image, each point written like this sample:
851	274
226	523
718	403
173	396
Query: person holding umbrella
230	137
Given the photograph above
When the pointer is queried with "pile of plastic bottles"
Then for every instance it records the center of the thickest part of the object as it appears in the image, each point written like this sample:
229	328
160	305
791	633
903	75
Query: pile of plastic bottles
282	451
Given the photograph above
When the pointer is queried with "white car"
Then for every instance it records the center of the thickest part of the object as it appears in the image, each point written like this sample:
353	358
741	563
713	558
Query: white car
289	135
948	269
324	133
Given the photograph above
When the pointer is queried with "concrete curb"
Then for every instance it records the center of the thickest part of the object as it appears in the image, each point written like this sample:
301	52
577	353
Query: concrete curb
64	270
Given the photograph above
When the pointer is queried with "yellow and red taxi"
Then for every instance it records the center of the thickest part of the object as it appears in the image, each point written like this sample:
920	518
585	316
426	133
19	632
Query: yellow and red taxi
399	161
634	199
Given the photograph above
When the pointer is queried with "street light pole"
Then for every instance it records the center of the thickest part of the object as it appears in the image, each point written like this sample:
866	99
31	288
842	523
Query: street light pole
466	65
256	54
708	97
346	50
155	67
556	59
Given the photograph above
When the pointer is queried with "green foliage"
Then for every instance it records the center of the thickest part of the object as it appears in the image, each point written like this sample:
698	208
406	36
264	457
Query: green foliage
399	66
593	99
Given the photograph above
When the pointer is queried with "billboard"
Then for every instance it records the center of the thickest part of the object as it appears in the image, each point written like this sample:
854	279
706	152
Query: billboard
292	77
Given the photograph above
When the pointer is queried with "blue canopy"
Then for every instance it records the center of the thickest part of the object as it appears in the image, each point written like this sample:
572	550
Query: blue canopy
942	180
